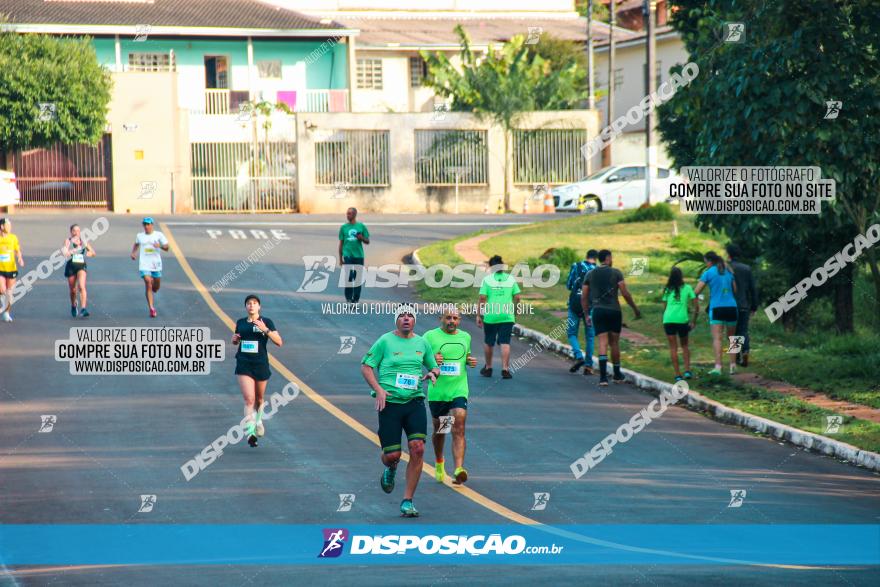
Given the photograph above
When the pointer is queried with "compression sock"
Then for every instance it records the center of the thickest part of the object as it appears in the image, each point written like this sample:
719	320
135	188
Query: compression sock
603	366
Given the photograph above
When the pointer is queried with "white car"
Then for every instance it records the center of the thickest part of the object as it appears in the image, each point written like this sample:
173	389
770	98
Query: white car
612	188
9	195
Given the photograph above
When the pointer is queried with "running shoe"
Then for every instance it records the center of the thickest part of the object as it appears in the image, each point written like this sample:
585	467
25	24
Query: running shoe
83	313
678	378
440	472
603	381
618	378
73	311
505	374
153	312
387	480
461	475
577	365
588	371
486	371
7	317
408	510
260	429
715	371
252	440
688	374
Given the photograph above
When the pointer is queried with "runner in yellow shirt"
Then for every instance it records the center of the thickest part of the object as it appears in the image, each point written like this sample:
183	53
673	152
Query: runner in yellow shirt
10	251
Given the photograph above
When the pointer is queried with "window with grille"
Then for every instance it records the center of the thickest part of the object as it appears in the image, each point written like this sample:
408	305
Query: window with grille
551	156
369	74
353	157
150	62
443	154
418	71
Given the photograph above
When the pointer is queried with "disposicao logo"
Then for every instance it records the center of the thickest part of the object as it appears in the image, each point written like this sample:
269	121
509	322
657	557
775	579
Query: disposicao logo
334	541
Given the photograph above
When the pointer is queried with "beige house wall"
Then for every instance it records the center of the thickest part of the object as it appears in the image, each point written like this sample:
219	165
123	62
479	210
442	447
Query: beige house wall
630	147
403	194
150	144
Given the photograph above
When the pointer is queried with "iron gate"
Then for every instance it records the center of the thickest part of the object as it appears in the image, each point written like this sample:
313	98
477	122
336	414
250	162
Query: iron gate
76	176
244	177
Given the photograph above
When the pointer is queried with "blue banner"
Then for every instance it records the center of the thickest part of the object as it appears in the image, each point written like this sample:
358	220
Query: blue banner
746	544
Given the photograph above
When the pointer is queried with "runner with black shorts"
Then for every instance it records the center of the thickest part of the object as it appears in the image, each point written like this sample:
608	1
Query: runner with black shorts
723	313
75	250
496	314
677	297
252	363
601	288
399	356
10	250
449	396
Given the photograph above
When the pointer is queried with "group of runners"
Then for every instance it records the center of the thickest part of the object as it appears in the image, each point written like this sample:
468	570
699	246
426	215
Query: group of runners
595	286
401	363
76	249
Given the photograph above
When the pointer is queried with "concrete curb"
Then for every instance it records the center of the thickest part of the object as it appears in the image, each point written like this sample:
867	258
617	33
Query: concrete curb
718	411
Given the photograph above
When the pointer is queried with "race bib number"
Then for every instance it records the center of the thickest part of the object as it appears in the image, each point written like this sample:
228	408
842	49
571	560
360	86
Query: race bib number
78	258
450	369
406	381
5	257
250	346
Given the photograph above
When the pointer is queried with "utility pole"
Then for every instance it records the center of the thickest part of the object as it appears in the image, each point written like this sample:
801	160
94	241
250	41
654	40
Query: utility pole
650	15
591	94
612	20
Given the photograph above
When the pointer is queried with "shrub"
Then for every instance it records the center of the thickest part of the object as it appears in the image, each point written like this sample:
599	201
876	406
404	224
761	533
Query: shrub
661	211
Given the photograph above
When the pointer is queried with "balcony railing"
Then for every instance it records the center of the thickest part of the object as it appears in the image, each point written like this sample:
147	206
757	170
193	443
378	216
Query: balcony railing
221	102
217	101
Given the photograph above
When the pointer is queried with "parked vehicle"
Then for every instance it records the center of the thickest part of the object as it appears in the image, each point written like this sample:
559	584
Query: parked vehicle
611	186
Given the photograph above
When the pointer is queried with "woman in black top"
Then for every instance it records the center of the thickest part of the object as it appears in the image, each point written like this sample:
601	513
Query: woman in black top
76	249
252	363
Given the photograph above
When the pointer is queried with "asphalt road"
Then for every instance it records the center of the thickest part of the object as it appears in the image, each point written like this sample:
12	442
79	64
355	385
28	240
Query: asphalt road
118	437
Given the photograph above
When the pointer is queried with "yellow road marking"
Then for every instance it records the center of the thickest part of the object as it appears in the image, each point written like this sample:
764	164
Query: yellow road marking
325	403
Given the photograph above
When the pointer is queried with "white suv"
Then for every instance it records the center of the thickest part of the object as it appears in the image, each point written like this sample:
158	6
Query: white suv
611	186
9	195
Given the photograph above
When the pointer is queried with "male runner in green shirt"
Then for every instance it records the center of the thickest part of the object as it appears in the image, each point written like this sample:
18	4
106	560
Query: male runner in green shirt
496	314
399	356
353	235
448	397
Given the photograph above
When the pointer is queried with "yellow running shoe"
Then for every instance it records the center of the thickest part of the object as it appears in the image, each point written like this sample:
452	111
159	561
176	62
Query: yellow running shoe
440	472
461	475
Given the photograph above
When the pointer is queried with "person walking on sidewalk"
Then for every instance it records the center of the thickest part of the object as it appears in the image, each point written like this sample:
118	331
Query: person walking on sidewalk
575	282
496	314
746	300
677	296
722	304
353	235
601	289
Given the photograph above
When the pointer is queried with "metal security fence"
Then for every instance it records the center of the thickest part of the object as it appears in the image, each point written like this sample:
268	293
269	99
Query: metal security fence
244	177
440	155
353	157
77	176
550	156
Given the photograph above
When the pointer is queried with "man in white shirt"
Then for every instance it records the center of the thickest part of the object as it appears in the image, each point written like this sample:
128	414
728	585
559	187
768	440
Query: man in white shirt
150	242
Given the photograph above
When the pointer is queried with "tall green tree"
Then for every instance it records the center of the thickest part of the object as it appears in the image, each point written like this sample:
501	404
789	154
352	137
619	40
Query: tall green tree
502	85
61	72
763	102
